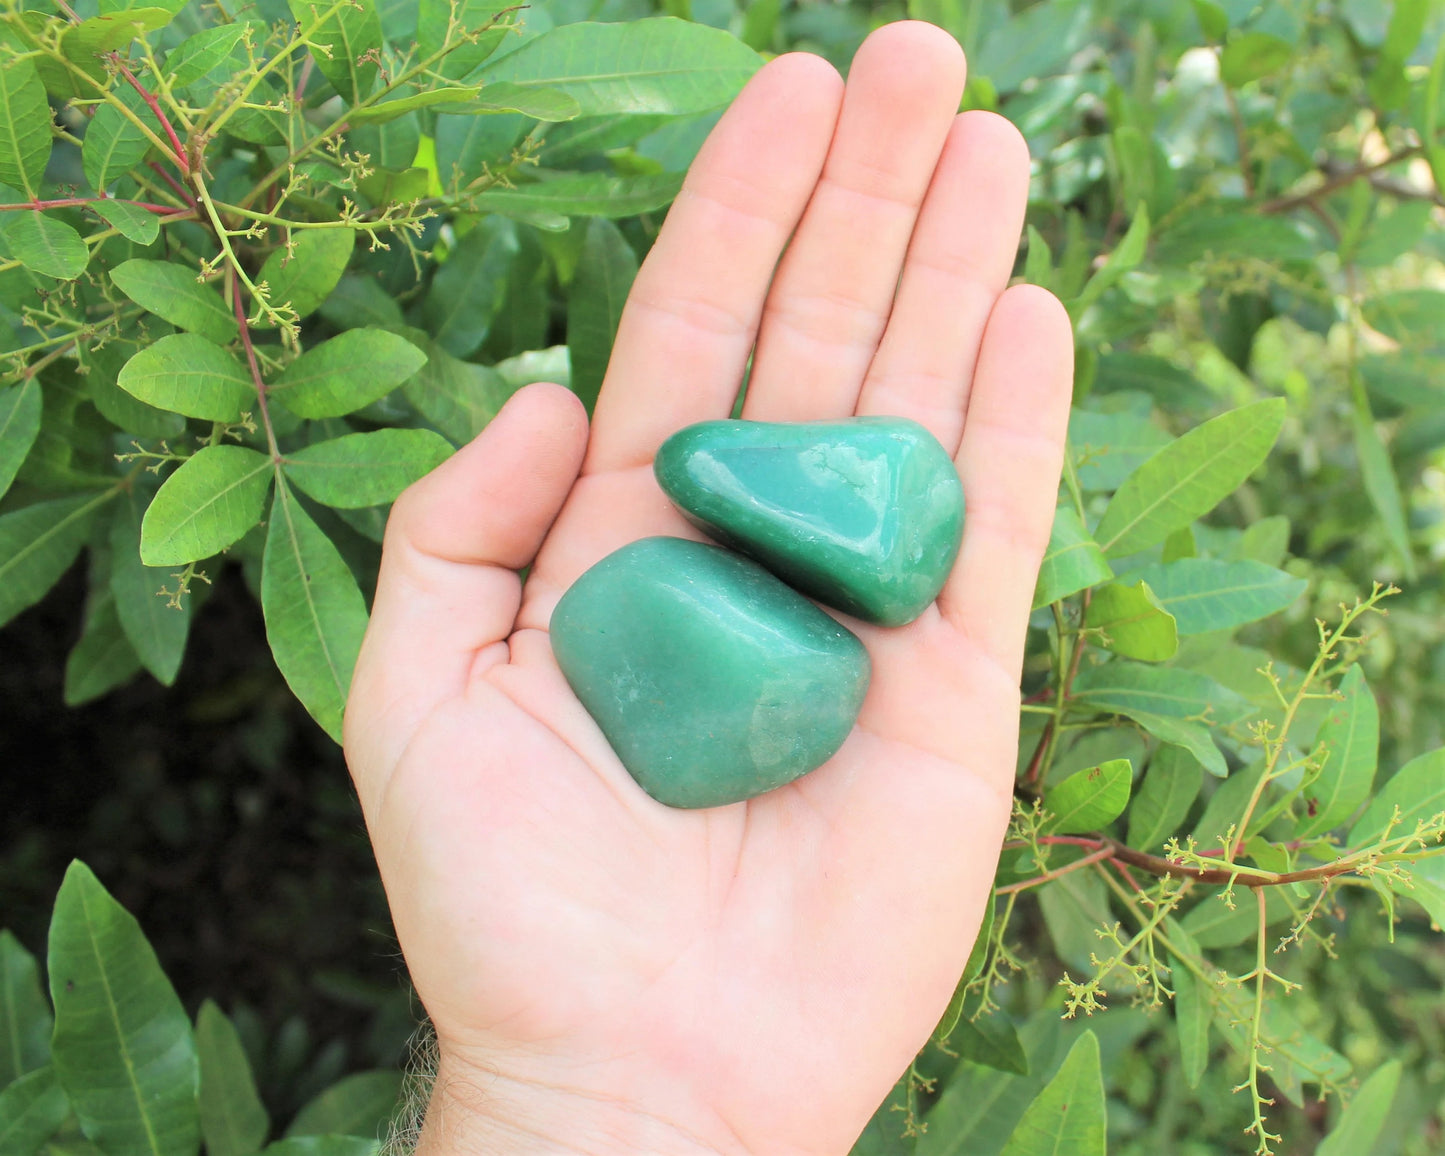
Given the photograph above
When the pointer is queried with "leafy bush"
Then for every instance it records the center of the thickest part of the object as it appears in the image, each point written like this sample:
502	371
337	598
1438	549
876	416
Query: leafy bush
1230	798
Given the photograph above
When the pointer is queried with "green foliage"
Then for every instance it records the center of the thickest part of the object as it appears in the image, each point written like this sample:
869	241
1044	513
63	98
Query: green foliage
257	277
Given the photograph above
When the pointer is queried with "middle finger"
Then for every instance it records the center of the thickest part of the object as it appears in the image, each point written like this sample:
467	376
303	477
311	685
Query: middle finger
834	288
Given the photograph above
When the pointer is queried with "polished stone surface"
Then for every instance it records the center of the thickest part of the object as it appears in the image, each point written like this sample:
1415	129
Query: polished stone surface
865	515
711	679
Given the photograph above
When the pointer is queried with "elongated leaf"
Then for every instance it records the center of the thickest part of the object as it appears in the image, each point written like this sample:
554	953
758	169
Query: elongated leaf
1127	254
315	615
1251	55
171	291
1089	800
343	374
457	397
32	1110
466	145
434	18
25	1019
1068	1115
1296	1056
185	373
111	30
135	224
37	545
233	1119
1363	1119
390	110
1134	622
359	301
604	277
644	66
1108	447
1189	477
468	290
47	245
1213	923
1417	789
359	1105
114	144
206	505
883	1135
1193	1010
366	469
549	104
1381	483
1351	737
102	367
156	629
123	1047
305	277
1072	561
989	1040
24	127
1170	787
977	957
1206	594
197	55
585	195
19	423
101	659
347	42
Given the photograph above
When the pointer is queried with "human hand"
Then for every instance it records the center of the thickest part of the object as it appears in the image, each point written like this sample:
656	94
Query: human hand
605	974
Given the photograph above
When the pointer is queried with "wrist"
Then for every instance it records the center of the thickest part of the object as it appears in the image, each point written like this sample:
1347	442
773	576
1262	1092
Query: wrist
476	1110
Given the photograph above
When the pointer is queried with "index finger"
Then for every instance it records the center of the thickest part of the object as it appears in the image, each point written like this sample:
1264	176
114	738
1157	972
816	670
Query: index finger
692	316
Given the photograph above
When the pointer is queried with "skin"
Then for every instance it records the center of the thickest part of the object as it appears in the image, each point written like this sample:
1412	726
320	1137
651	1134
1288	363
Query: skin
605	974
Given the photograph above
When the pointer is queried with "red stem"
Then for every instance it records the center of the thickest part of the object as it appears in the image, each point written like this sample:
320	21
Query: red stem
69	202
145	94
180	189
256	378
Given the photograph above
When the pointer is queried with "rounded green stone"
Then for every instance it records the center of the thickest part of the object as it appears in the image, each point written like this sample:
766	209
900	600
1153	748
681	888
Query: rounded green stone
711	679
865	515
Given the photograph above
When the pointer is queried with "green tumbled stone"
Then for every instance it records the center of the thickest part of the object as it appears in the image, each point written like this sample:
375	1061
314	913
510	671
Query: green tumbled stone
865	515
711	679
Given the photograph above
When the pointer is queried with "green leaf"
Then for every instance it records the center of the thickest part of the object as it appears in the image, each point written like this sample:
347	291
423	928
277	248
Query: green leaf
135	224
1417	789
171	292
114	144
32	1110
46	245
1127	254
605	271
123	1047
1068	1115
366	469
340	39
1226	233
1108	447
19	423
1204	594
1170	787
358	302
642	66
455	396
390	110
1295	1054
156	629
110	31
1134	622
1360	1124
323	1146
1381	483
305	278
1189	477
1389	85
1035	43
1252	55
210	502
1351	737
1413	317
989	1040
584	195
359	1105
37	545
24	127
233	1119
351	370
197	55
102	659
185	373
1089	800
1072	561
1193	1010
883	1135
468	290
102	367
549	104
1213	923
467	145
434	18
25	1019
315	615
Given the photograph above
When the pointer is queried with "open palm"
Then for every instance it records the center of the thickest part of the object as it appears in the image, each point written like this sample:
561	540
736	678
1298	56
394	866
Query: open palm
605	973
